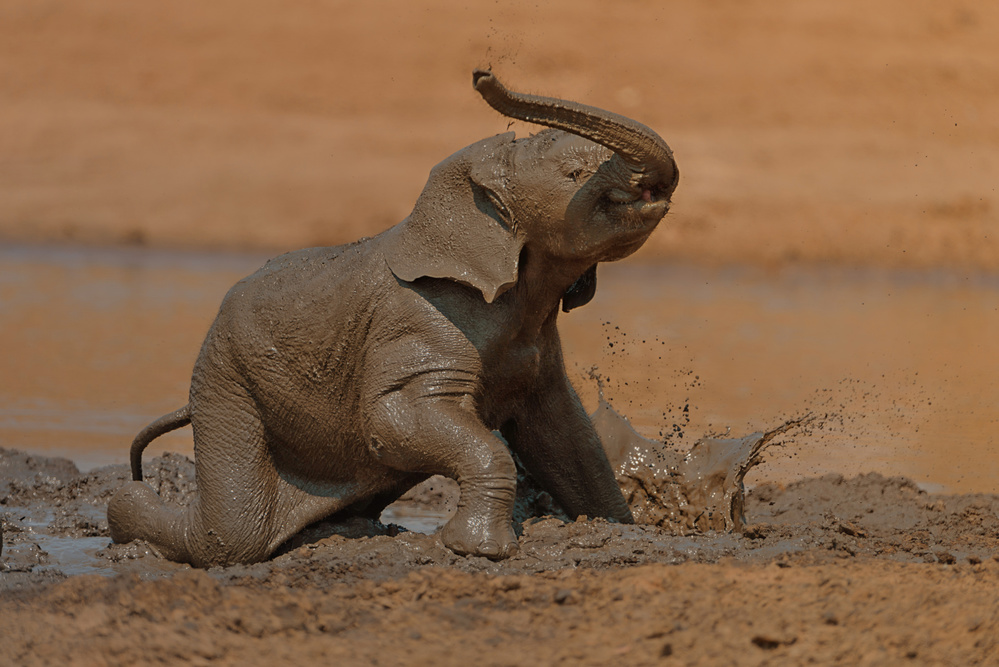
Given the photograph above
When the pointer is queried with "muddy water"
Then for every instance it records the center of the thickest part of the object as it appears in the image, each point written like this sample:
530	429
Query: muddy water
901	368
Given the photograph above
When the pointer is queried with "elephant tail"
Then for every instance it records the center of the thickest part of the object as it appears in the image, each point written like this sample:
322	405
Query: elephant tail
164	424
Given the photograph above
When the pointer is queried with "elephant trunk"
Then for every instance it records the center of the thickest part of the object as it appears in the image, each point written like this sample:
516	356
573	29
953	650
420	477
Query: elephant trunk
638	145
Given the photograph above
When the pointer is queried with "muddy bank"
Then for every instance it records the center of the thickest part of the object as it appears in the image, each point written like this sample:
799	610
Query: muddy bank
841	612
840	570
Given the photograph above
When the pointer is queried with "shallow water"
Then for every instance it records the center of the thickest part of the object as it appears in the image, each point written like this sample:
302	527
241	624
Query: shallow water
38	547
412	517
98	342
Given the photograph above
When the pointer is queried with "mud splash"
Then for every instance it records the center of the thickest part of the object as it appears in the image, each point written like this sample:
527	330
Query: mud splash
696	491
682	491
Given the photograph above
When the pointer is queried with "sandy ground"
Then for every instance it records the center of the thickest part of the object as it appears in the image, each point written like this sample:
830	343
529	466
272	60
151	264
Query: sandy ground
850	133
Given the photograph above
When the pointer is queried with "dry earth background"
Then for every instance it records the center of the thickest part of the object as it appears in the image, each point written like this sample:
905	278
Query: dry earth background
848	133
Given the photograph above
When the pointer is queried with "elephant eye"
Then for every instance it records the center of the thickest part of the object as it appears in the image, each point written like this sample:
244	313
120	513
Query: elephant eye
575	174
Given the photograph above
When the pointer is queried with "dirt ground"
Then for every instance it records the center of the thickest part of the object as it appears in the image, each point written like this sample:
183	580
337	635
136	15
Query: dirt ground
848	134
863	571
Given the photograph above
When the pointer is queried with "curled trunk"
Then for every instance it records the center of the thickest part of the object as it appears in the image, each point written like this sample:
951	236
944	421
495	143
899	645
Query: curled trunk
637	144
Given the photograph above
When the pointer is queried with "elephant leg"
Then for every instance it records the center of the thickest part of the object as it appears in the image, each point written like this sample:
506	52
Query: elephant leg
443	435
230	519
246	508
243	510
555	440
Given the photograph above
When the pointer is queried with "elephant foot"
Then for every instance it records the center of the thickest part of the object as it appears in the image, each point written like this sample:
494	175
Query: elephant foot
476	530
137	512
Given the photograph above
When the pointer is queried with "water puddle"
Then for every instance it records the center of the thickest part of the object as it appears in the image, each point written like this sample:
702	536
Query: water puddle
415	518
900	367
34	545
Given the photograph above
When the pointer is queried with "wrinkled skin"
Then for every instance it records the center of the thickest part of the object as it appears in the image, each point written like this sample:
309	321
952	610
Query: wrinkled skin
334	379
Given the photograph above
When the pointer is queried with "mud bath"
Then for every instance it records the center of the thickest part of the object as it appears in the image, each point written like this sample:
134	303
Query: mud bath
858	556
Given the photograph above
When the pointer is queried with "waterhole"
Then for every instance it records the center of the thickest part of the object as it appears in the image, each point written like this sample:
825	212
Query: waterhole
900	367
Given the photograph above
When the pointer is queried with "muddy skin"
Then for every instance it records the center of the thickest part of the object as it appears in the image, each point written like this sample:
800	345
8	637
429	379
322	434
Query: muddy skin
334	379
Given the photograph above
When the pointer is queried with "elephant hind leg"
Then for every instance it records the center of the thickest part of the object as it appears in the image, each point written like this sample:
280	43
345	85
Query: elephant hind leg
243	510
236	515
237	512
196	535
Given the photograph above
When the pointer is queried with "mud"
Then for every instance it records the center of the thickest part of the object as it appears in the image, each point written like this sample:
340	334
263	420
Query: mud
856	556
689	491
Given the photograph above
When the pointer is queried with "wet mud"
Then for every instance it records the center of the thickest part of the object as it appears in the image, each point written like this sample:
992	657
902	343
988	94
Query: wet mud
855	553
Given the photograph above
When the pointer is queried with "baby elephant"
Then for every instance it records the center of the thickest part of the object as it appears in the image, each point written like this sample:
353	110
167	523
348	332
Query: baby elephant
334	379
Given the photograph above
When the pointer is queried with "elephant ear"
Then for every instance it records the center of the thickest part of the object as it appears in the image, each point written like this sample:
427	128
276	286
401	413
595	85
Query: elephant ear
460	229
580	292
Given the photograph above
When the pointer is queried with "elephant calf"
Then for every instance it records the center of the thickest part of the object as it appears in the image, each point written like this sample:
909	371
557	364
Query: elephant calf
335	379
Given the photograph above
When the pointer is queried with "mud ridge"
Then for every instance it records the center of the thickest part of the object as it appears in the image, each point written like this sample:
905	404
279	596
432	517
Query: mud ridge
811	521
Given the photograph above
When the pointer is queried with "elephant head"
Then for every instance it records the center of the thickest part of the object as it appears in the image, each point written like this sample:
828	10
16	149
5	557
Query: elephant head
589	189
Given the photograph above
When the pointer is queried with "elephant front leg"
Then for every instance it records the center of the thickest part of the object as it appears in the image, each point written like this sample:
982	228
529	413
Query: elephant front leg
443	435
556	442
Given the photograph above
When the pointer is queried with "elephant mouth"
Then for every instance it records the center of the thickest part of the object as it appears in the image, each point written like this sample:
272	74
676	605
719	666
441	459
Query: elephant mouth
648	205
